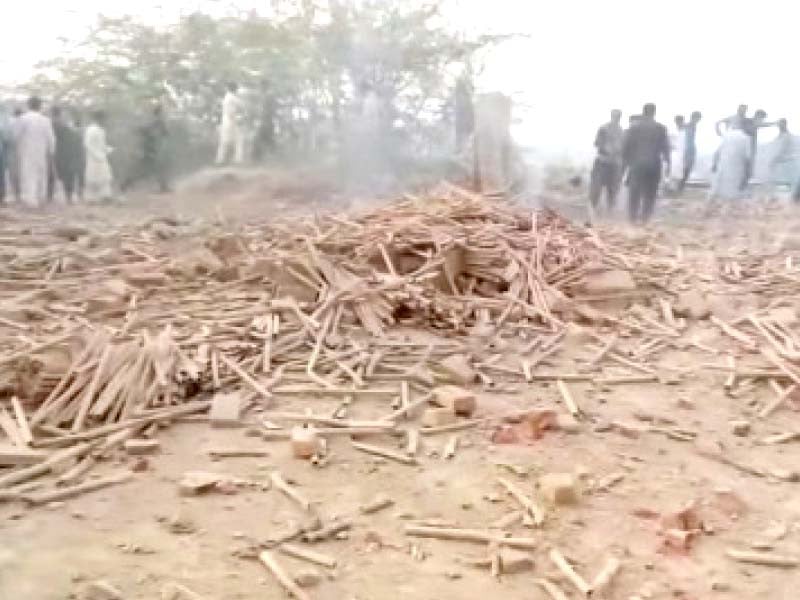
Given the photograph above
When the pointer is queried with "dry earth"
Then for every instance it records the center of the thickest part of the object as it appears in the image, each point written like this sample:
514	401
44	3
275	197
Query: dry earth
143	535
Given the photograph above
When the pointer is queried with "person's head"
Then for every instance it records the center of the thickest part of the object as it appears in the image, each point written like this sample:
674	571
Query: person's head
783	125
680	121
616	115
55	113
634	119
99	117
158	111
233	87
742	110
649	111
364	88
696	116
35	103
760	115
18	111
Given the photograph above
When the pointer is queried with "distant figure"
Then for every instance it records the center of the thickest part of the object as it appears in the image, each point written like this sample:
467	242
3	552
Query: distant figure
646	149
153	162
35	145
677	141
733	165
607	168
464	110
80	180
736	121
751	127
98	169
265	141
5	151
782	159
231	136
690	149
67	160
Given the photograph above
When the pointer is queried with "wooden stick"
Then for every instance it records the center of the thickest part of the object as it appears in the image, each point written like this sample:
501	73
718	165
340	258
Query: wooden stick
9	426
776	403
28	473
327	532
529	505
304	554
76	490
570	573
450	448
469	535
412	442
607	347
605	576
555	592
89	395
404	410
766	559
385	453
566	395
452	427
279	482
268	560
734	333
245	377
22	421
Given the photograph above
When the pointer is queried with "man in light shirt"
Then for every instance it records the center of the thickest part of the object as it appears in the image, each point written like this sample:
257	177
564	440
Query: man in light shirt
231	137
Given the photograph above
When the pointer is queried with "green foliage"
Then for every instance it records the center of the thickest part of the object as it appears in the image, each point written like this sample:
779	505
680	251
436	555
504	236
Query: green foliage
309	57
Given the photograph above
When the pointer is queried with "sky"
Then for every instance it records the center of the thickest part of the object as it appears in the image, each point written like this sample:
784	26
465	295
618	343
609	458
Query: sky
578	59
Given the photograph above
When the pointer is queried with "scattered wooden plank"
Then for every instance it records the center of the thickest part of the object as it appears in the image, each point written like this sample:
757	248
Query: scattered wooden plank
385	453
294	590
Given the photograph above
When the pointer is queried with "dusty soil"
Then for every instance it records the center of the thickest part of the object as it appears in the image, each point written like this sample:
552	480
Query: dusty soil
127	535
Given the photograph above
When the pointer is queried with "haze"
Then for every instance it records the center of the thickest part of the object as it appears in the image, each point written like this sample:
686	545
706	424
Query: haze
578	60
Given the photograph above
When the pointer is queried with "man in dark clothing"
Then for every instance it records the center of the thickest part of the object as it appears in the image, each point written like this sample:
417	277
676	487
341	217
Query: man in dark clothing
690	149
607	168
153	158
67	158
646	149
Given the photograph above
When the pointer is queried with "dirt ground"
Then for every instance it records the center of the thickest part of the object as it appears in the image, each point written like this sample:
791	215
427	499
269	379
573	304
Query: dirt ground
143	535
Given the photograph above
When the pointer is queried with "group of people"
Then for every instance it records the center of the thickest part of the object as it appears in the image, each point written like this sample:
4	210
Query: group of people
646	155
40	154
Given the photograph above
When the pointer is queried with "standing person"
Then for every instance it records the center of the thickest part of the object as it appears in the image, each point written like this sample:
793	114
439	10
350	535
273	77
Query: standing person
607	168
733	164
231	136
98	170
646	148
265	135
5	148
13	155
80	180
751	127
67	161
35	145
735	121
782	159
690	149
677	141
153	160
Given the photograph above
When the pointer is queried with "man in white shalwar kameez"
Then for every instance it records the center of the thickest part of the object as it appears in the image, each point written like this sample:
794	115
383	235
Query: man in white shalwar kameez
733	165
231	136
35	143
98	178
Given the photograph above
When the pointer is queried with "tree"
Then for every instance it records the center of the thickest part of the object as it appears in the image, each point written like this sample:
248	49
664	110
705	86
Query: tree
313	54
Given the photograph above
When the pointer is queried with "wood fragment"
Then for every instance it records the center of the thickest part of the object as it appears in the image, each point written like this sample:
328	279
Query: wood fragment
766	559
412	442
385	453
555	592
311	556
563	565
280	483
22	422
294	590
246	378
569	401
533	509
469	535
66	493
604	578
450	447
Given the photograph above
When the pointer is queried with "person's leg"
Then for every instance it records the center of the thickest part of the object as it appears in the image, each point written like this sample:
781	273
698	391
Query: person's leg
2	179
238	146
222	148
634	195
68	181
649	194
688	167
595	189
614	178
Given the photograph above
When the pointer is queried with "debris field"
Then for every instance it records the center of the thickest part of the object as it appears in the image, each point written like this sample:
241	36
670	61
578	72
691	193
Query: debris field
445	396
